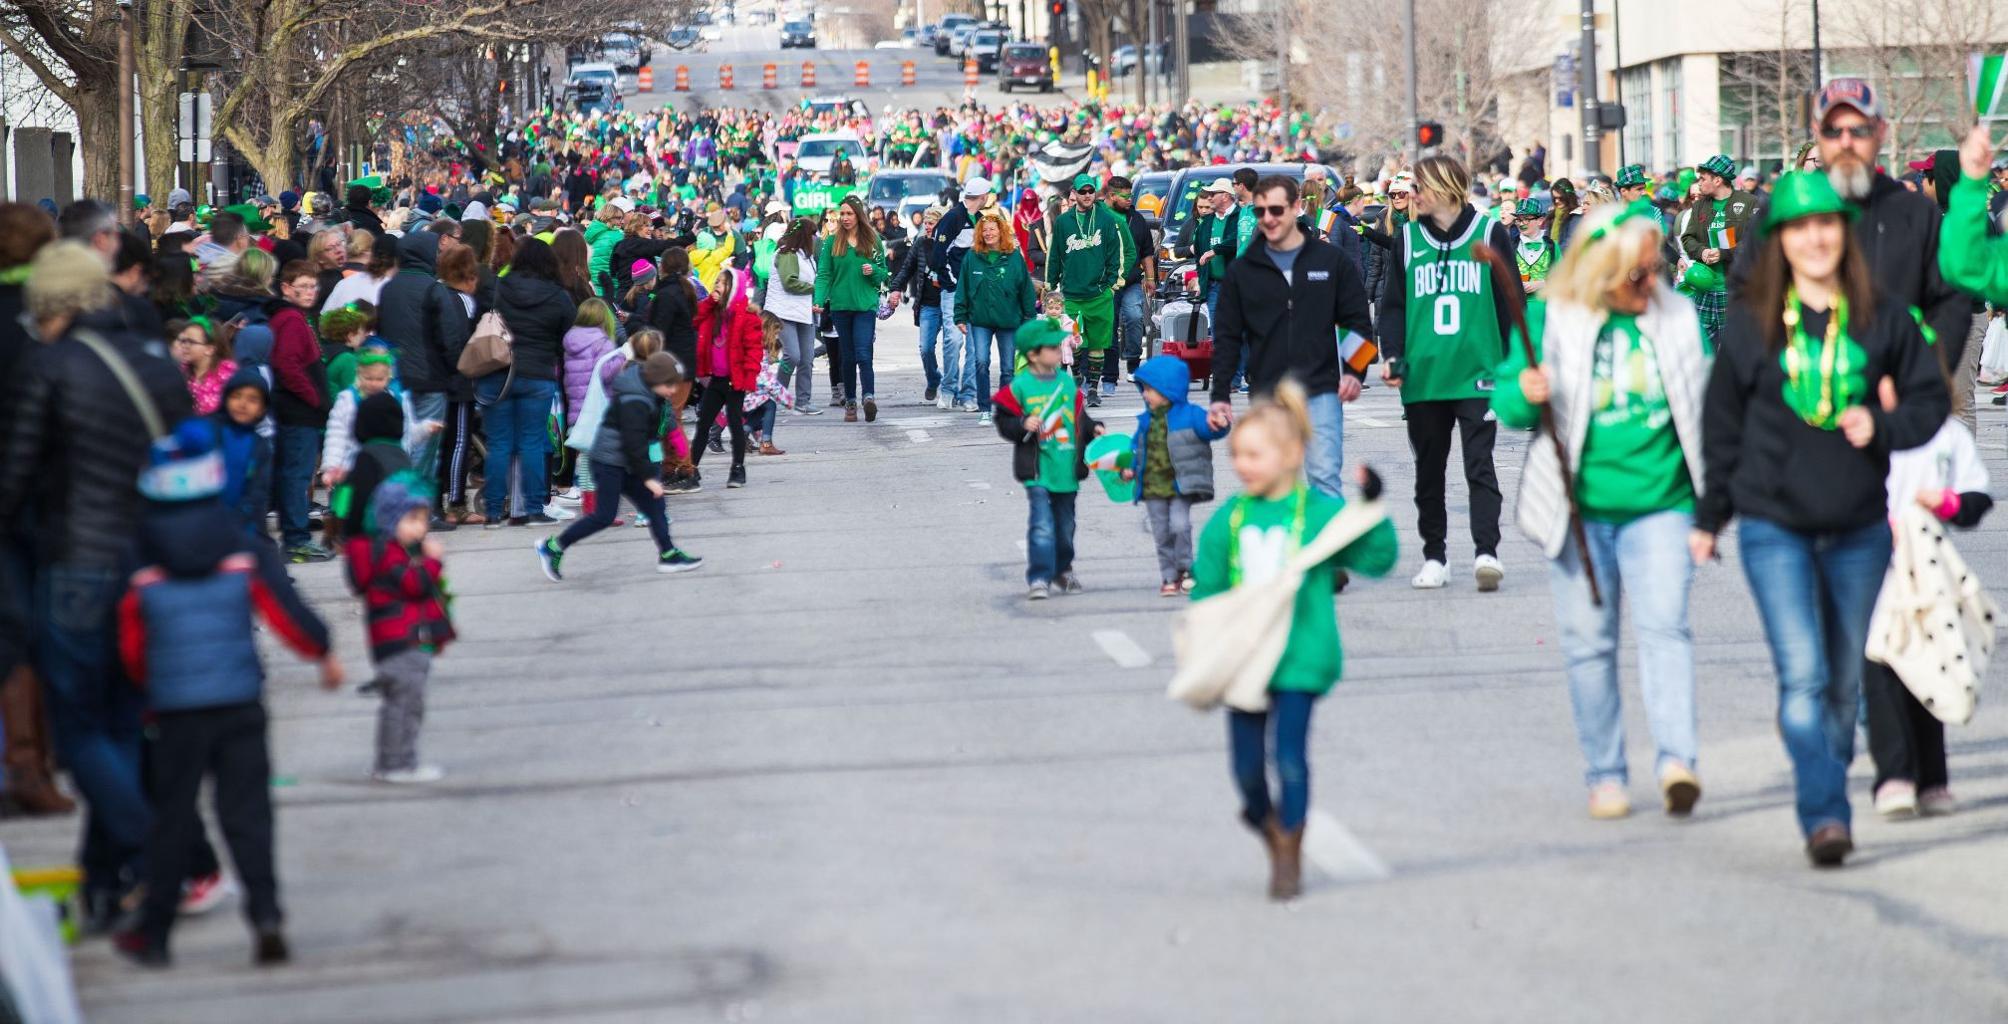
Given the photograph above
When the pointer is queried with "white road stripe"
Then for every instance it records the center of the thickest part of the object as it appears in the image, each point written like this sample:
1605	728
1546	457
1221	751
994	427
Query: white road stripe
979	485
917	436
1369	421
1121	649
1334	850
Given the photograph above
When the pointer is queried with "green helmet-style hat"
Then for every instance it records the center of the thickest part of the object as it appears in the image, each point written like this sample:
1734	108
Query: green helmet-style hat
1044	332
1685	180
254	221
1719	165
1805	194
1632	176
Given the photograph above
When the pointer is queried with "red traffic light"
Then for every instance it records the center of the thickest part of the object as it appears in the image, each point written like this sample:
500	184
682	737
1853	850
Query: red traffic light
1058	8
1428	134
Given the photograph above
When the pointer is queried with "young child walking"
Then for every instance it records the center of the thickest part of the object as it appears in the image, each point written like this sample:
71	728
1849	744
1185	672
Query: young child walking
770	393
1041	413
589	350
1249	540
397	570
625	455
186	634
1171	461
247	454
728	353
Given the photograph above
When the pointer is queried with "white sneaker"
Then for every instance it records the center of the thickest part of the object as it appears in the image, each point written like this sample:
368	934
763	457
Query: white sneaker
984	419
1896	798
559	512
1434	576
942	401
1488	572
417	775
570	497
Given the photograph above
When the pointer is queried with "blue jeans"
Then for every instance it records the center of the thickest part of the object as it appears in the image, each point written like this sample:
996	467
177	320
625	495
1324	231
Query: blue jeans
1647	560
1325	460
930	331
958	359
515	427
94	713
1247	742
856	330
1815	592
297	451
1049	534
761	421
979	354
1129	329
428	406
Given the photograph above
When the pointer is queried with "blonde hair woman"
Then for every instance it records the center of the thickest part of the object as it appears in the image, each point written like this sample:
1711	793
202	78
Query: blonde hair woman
1442	323
1622	363
993	298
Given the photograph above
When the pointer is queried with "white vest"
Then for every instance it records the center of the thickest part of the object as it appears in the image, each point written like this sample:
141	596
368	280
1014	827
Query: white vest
796	309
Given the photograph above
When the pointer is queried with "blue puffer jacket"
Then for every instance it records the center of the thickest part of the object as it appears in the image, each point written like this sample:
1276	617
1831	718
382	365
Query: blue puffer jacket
185	622
1187	431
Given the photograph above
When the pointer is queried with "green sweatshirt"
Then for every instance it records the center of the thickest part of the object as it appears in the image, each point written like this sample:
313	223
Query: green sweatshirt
841	283
994	290
1087	252
1966	256
1040	398
1632	463
1251	537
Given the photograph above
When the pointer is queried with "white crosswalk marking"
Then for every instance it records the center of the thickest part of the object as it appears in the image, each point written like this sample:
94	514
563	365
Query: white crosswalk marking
1121	649
1334	850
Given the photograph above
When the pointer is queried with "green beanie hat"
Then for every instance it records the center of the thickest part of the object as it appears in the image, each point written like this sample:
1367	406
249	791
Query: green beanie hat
1805	194
1632	176
1045	332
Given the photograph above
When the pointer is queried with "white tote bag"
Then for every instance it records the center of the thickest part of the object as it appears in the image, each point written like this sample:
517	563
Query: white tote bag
1994	352
1228	644
591	411
1933	623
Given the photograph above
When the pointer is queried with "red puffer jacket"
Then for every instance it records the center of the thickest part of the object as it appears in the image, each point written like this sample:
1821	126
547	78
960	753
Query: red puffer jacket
403	597
742	332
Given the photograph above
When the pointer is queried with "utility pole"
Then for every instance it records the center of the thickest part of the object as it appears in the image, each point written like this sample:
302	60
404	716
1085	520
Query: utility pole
126	148
1282	56
1408	44
1182	66
1816	46
1587	85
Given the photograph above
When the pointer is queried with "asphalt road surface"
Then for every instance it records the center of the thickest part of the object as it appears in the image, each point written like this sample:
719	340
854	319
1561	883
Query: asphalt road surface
845	773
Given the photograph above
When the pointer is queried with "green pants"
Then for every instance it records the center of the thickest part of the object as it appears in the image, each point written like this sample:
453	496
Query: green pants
1096	316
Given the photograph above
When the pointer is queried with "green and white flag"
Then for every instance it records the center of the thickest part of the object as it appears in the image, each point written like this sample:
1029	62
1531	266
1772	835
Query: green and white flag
816	198
1990	84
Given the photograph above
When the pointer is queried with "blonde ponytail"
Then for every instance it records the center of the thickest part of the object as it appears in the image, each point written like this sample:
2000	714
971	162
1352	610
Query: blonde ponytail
1285	412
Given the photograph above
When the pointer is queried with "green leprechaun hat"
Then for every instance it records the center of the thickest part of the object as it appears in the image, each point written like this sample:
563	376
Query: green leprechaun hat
1805	194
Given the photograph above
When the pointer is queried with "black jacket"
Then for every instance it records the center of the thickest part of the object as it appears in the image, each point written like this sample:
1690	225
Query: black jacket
1144	247
76	445
1762	460
1898	232
379	431
945	257
1391	322
1287	324
538	313
364	218
911	275
670	311
423	318
629	249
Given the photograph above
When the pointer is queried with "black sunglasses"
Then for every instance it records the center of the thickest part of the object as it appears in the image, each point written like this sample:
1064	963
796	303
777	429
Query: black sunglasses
1272	211
1087	191
1859	131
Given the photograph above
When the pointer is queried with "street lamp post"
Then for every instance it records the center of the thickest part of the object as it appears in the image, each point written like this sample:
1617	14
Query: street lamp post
1408	44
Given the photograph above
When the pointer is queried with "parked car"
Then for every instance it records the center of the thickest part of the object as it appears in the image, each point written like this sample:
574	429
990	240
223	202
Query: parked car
838	103
958	42
890	189
798	35
594	86
682	37
1148	192
625	52
1181	206
984	46
1123	61
926	33
1024	64
816	154
944	34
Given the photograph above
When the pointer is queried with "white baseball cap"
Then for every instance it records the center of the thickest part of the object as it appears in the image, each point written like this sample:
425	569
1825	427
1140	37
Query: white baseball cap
622	203
975	187
1220	186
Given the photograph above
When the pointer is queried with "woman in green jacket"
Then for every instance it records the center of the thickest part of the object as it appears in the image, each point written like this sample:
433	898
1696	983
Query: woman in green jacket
850	274
993	298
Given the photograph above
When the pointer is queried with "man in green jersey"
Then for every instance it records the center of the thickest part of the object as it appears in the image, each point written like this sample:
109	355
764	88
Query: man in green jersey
1443	325
1086	264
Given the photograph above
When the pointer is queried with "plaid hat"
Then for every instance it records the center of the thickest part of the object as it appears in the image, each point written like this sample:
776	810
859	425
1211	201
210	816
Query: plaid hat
185	465
1719	165
1632	176
1847	92
1530	208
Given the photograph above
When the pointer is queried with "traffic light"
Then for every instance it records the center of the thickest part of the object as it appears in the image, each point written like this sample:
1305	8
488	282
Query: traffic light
1057	8
1428	134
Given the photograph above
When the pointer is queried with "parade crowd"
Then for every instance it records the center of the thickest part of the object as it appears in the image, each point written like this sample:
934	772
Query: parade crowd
529	329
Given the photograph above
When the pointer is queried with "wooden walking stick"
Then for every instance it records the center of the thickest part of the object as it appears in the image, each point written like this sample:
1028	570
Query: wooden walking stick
1502	282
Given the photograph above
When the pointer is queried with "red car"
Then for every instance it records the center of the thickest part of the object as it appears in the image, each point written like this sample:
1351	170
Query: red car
1024	64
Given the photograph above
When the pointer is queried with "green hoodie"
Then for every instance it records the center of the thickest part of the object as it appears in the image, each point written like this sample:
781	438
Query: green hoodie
994	290
1086	255
841	284
1966	256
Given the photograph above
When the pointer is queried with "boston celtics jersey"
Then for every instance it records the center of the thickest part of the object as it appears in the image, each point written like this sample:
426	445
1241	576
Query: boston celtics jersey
1453	341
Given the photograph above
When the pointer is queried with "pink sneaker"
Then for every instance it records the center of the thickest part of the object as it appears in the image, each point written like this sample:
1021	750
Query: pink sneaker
201	895
1937	801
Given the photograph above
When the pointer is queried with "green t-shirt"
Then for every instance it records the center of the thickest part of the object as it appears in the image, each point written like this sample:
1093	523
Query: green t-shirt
1041	400
1249	539
1632	463
341	371
1453	334
1160	480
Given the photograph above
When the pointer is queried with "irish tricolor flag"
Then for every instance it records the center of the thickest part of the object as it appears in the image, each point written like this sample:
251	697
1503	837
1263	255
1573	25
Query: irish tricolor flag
1990	84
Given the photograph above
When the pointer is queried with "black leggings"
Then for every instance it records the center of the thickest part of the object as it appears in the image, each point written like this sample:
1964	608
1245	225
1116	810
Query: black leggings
453	458
613	482
718	394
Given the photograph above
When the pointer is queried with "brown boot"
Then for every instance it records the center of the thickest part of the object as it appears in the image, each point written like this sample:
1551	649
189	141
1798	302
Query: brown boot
28	777
1288	879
